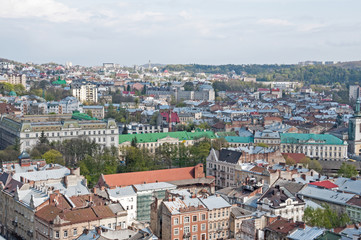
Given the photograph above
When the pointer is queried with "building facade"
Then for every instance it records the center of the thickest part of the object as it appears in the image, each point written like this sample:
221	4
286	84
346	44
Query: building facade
315	146
28	132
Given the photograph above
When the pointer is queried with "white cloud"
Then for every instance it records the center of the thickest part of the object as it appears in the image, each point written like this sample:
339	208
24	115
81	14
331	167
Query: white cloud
274	22
311	27
50	10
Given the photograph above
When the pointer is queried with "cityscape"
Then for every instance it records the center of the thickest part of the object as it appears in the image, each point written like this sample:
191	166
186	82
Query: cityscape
187	146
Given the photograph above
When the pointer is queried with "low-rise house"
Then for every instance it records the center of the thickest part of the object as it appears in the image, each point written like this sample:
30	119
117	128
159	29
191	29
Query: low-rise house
63	217
281	202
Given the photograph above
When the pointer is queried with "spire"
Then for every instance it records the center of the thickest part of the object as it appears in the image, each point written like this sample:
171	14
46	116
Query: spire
358	103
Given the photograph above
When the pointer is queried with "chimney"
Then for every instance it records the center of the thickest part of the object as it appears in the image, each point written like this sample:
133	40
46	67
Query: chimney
94	190
303	176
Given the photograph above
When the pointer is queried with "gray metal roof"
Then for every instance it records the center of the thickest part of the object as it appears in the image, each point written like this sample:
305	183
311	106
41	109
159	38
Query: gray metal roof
326	195
214	202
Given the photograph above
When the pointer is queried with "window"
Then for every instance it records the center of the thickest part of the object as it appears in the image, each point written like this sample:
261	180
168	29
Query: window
112	139
176	231
176	221
203	217
109	225
194	237
27	135
194	228
75	231
186	229
203	227
57	234
186	219
194	218
65	233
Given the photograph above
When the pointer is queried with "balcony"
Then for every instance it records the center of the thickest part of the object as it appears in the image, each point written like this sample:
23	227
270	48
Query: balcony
15	223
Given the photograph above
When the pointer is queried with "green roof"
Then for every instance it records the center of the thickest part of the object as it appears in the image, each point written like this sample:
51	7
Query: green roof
82	116
59	82
305	138
239	139
12	94
153	137
225	134
327	235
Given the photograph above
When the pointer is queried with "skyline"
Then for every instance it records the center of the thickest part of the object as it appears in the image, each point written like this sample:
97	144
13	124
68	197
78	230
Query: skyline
170	32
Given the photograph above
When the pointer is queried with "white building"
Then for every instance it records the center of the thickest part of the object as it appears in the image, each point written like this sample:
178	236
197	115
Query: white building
87	92
102	132
127	197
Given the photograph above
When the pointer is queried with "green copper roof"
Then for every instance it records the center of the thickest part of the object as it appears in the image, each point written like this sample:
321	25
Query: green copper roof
304	138
59	82
327	235
81	116
225	134
153	137
237	139
12	94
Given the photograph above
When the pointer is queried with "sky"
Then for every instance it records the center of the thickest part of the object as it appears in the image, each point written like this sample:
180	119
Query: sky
128	32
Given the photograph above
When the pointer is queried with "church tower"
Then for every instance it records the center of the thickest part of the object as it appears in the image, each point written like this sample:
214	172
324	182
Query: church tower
354	130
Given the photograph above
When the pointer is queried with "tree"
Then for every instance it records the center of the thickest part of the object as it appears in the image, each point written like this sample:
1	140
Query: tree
128	88
347	170
89	113
53	156
43	139
188	86
219	143
315	165
325	217
134	142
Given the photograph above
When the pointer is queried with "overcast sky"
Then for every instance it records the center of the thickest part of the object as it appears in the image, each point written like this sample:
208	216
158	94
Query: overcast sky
90	32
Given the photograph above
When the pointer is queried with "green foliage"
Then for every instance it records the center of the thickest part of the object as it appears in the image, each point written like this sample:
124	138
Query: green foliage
347	170
204	125
138	160
219	143
188	86
120	115
325	218
315	165
134	142
181	104
43	139
53	156
264	145
101	163
9	154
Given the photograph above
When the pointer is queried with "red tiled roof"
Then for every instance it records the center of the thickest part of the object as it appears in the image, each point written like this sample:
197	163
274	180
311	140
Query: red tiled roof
283	226
174	117
165	175
325	184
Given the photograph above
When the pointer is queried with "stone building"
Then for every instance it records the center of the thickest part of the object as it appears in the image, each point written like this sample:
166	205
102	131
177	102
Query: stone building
28	131
316	146
219	211
281	202
184	218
